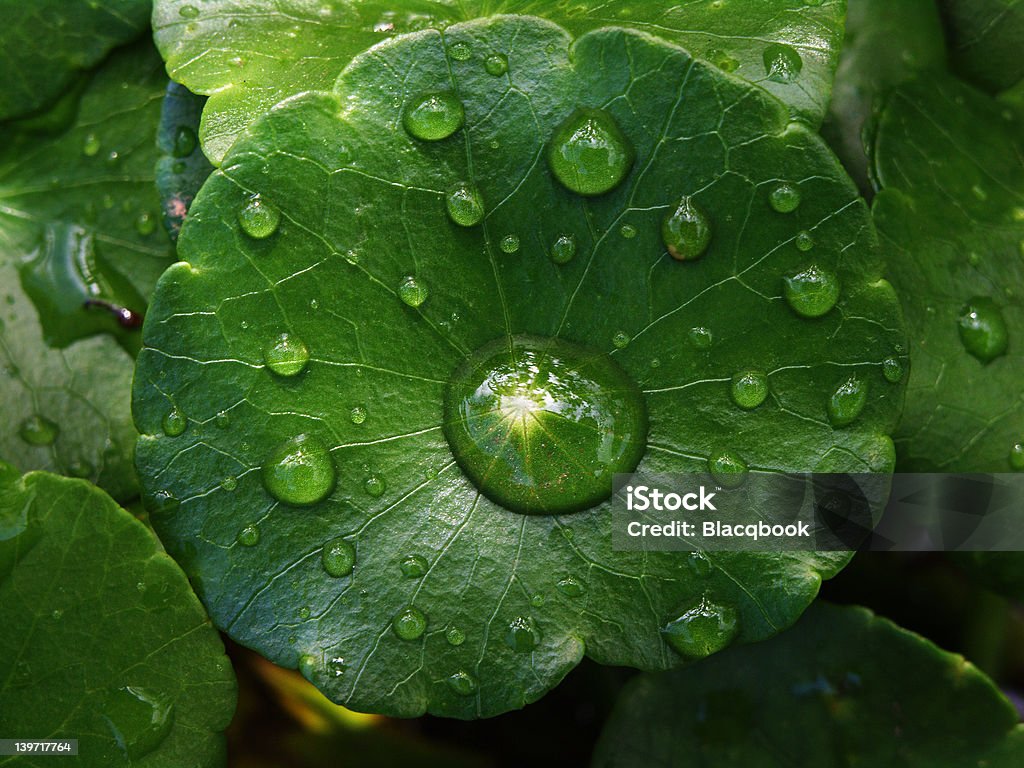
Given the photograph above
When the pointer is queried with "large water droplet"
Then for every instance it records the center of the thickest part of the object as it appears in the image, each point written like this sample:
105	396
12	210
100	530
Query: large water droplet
465	205
496	64
847	401
413	292
258	218
804	241
686	231
434	116
139	719
784	198
409	623
414	566
983	329
460	51
300	471
357	415
510	244
727	469
455	636
338	557
620	339
782	63
589	154
749	389
188	12
462	683
38	430
286	355
892	369
249	536
811	293
702	630
375	486
515	400
521	635
563	249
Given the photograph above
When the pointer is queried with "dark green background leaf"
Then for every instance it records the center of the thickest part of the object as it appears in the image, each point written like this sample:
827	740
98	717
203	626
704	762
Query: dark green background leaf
956	229
362	209
46	44
103	640
79	222
984	39
250	54
841	688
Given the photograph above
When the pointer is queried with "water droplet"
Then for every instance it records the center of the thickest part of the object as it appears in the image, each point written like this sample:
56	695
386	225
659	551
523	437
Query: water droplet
174	423
722	60
286	355
434	116
628	231
749	389
537	600
139	719
621	340
892	369
510	244
188	11
1017	457
983	330
811	293
570	586
338	557
784	198
589	154
409	623
336	666
258	218
782	64
145	224
300	471
460	51
357	415
564	249
412	291
185	142
521	635
804	241
455	636
701	337
699	564
727	469
38	430
847	401
57	614
525	397
163	503
249	536
229	483
375	486
702	630
304	613
81	468
686	231
414	566
496	64
465	205
222	420
91	145
463	683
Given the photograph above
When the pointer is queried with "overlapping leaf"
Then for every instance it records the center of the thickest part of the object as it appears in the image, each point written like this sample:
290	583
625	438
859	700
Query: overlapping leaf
510	601
841	688
80	249
104	640
250	54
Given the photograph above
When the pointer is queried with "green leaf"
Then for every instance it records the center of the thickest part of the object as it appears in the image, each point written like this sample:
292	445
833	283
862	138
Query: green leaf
104	641
985	40
80	249
248	55
843	687
886	43
332	291
956	229
47	44
182	167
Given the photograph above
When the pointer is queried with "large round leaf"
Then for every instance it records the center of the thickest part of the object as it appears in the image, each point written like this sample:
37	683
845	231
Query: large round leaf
328	223
841	688
80	251
250	54
103	639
